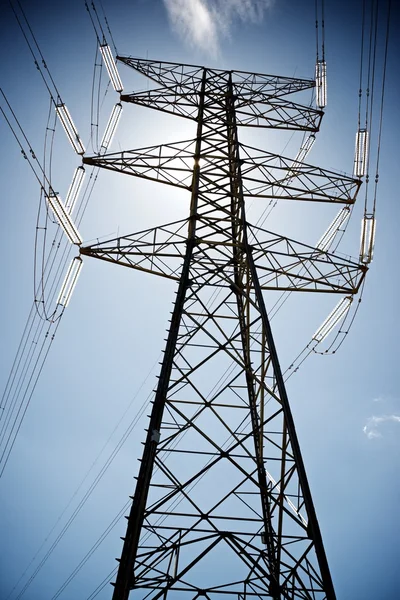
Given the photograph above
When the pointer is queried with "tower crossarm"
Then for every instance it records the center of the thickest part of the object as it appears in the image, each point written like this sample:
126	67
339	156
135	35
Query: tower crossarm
259	98
168	163
159	250
254	109
188	76
272	85
170	100
166	73
282	264
264	175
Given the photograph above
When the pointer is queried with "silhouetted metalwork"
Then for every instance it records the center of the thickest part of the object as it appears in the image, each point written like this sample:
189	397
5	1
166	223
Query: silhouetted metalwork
222	506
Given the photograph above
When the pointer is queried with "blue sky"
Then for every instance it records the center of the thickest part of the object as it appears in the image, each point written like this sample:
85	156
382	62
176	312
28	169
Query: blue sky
103	361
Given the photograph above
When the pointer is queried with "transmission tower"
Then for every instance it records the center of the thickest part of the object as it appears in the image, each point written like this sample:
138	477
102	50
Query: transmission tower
222	507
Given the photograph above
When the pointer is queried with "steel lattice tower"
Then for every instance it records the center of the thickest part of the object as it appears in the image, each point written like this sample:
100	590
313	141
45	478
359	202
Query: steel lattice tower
222	506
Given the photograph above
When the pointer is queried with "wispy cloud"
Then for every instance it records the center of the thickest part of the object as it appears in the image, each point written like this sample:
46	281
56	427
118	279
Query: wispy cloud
203	23
372	428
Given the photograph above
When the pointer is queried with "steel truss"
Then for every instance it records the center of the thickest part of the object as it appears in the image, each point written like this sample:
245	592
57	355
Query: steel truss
222	506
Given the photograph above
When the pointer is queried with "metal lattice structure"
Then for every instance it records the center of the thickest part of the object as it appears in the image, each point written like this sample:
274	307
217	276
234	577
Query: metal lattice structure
222	506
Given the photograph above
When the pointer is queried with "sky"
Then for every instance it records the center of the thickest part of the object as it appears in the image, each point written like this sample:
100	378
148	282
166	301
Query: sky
103	361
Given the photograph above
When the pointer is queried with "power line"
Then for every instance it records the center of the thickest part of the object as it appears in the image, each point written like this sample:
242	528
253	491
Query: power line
105	466
92	550
13	410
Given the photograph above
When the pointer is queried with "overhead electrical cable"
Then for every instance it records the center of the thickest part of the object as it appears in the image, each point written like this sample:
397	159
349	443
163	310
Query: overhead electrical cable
38	48
382	100
127	432
40	299
25	357
27	398
27	350
93	23
323	28
36	62
108	27
36	167
92	550
360	90
103	36
316	29
372	32
95	103
103	584
16	388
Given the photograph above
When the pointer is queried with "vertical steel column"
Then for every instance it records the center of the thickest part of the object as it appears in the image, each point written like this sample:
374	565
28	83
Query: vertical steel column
244	271
313	527
125	573
242	279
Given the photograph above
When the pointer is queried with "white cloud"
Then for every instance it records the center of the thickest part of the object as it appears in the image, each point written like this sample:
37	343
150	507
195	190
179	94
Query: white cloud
378	399
193	21
202	23
371	429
